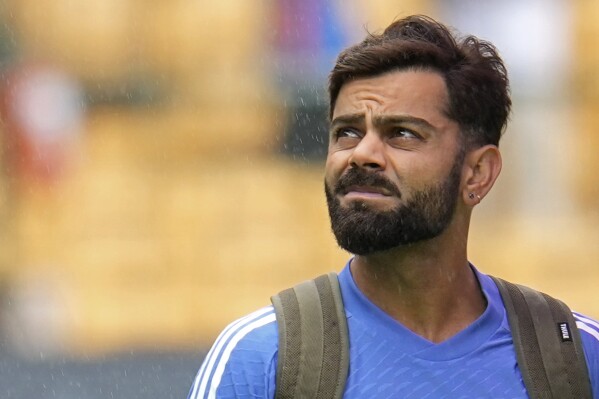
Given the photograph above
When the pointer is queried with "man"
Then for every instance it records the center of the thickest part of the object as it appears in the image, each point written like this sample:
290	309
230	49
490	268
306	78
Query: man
416	118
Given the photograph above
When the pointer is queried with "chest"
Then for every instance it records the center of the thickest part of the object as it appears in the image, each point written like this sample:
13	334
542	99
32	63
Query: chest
388	367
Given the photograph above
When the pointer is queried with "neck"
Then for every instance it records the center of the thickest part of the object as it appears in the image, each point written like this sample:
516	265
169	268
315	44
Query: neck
429	287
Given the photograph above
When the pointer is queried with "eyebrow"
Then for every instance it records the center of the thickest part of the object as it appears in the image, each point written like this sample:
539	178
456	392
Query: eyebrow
380	120
347	119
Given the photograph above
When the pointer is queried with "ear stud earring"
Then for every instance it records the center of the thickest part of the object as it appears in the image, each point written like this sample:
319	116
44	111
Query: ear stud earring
472	196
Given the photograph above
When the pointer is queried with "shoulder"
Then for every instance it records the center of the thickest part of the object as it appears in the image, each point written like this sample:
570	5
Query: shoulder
589	333
242	360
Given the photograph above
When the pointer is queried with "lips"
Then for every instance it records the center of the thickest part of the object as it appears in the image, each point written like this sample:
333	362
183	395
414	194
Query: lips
358	182
368	190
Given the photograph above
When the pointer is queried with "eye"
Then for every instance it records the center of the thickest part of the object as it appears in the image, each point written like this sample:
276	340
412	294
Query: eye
345	132
404	133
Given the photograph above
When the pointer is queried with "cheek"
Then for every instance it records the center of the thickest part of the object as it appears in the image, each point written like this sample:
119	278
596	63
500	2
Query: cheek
416	173
330	177
430	175
335	164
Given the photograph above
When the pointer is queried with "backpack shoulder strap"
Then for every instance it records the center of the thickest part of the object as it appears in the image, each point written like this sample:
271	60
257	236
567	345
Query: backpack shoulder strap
313	357
547	343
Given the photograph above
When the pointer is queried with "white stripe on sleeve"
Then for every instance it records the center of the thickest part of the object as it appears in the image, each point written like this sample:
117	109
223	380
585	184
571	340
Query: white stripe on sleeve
218	373
208	363
583	327
586	320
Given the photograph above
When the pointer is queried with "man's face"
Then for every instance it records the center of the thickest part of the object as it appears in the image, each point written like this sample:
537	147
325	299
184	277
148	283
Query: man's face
394	164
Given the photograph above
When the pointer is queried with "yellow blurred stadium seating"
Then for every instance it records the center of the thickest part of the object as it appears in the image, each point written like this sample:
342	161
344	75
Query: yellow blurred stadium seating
175	220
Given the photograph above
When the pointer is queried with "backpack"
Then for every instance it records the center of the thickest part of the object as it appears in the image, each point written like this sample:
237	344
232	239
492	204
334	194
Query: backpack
314	343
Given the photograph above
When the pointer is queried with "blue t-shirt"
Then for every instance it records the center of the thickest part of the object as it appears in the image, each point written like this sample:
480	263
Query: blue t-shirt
386	359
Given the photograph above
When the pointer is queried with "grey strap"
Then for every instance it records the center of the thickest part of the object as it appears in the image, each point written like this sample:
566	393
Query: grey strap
547	343
313	357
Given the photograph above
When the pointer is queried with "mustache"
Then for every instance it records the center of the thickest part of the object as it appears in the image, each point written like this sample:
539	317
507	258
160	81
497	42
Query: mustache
360	177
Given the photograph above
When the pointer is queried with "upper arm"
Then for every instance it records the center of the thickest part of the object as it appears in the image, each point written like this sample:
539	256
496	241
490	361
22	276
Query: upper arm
240	361
589	332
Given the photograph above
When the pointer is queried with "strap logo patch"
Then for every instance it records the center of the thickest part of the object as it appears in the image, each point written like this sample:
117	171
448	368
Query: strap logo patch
565	333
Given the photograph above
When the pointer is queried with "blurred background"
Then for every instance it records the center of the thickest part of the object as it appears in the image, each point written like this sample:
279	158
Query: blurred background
162	171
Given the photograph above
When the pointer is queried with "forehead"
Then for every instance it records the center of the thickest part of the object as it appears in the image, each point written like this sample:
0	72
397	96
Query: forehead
417	93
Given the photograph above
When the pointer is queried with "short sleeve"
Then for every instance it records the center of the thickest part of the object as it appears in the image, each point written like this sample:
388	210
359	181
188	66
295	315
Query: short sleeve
589	332
242	360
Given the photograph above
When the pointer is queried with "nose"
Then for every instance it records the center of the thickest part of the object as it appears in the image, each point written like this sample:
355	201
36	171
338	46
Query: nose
369	153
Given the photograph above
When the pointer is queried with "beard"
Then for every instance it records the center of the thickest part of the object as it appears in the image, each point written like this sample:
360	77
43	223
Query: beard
362	230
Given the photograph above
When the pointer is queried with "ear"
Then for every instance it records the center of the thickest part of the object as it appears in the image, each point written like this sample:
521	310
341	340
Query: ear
481	168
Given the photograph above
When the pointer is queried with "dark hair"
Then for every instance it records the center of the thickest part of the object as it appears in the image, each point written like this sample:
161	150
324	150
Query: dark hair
476	78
